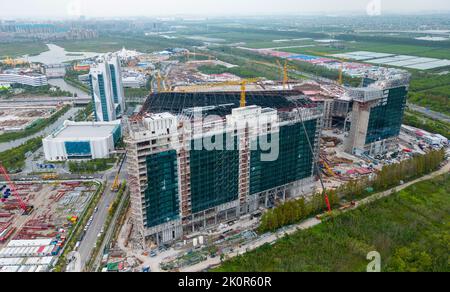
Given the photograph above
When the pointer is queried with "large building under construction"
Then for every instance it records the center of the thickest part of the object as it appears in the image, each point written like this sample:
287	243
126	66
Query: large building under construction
198	159
377	114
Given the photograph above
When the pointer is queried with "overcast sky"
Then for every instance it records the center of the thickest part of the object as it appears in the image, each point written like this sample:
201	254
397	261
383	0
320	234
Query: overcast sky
112	8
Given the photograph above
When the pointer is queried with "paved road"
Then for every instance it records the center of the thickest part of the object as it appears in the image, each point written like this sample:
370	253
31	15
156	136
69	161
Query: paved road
429	113
90	239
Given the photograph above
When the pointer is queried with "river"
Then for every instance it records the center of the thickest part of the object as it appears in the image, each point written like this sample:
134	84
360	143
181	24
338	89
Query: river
57	55
61	83
45	132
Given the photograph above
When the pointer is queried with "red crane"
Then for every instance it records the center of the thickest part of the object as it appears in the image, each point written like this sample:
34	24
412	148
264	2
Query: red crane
26	208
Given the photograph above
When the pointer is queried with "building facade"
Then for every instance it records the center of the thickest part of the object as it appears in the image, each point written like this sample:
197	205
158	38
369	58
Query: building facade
116	83
107	92
378	109
82	140
31	79
187	174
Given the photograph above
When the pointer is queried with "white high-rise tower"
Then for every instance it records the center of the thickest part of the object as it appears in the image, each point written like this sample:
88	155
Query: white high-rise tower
107	89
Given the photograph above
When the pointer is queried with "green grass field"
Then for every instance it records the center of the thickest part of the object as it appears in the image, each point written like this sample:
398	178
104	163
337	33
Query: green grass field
19	49
414	50
410	229
114	43
419	120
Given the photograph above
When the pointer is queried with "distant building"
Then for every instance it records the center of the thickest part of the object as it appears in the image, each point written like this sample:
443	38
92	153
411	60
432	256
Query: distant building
81	67
107	89
133	82
55	71
132	79
82	140
31	79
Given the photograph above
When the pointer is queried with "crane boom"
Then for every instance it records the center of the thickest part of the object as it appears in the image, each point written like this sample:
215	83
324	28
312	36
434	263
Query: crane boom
5	174
243	83
243	93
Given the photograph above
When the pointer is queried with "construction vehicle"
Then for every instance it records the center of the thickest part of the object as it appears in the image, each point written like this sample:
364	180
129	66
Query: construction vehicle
328	168
116	185
50	176
27	209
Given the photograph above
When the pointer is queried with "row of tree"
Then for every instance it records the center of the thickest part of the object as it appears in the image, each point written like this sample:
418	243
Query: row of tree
91	166
14	159
294	211
390	176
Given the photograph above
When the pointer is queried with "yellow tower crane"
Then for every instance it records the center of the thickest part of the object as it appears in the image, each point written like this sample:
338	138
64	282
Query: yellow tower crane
243	83
285	70
341	67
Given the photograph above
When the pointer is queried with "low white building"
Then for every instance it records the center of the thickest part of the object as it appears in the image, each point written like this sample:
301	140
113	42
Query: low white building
82	140
31	79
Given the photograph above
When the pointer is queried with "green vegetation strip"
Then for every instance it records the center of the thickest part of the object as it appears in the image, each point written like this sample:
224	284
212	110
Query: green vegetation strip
26	90
14	159
36	127
92	166
431	90
85	113
410	230
112	210
419	120
390	176
77	84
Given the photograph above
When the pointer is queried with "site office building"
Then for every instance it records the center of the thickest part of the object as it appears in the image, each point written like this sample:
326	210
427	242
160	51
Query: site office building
177	190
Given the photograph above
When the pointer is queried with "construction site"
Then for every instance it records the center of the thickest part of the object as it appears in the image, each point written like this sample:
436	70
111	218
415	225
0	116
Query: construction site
36	219
17	117
191	205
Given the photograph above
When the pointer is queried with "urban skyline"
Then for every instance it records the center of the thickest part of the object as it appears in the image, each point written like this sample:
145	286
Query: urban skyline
135	8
